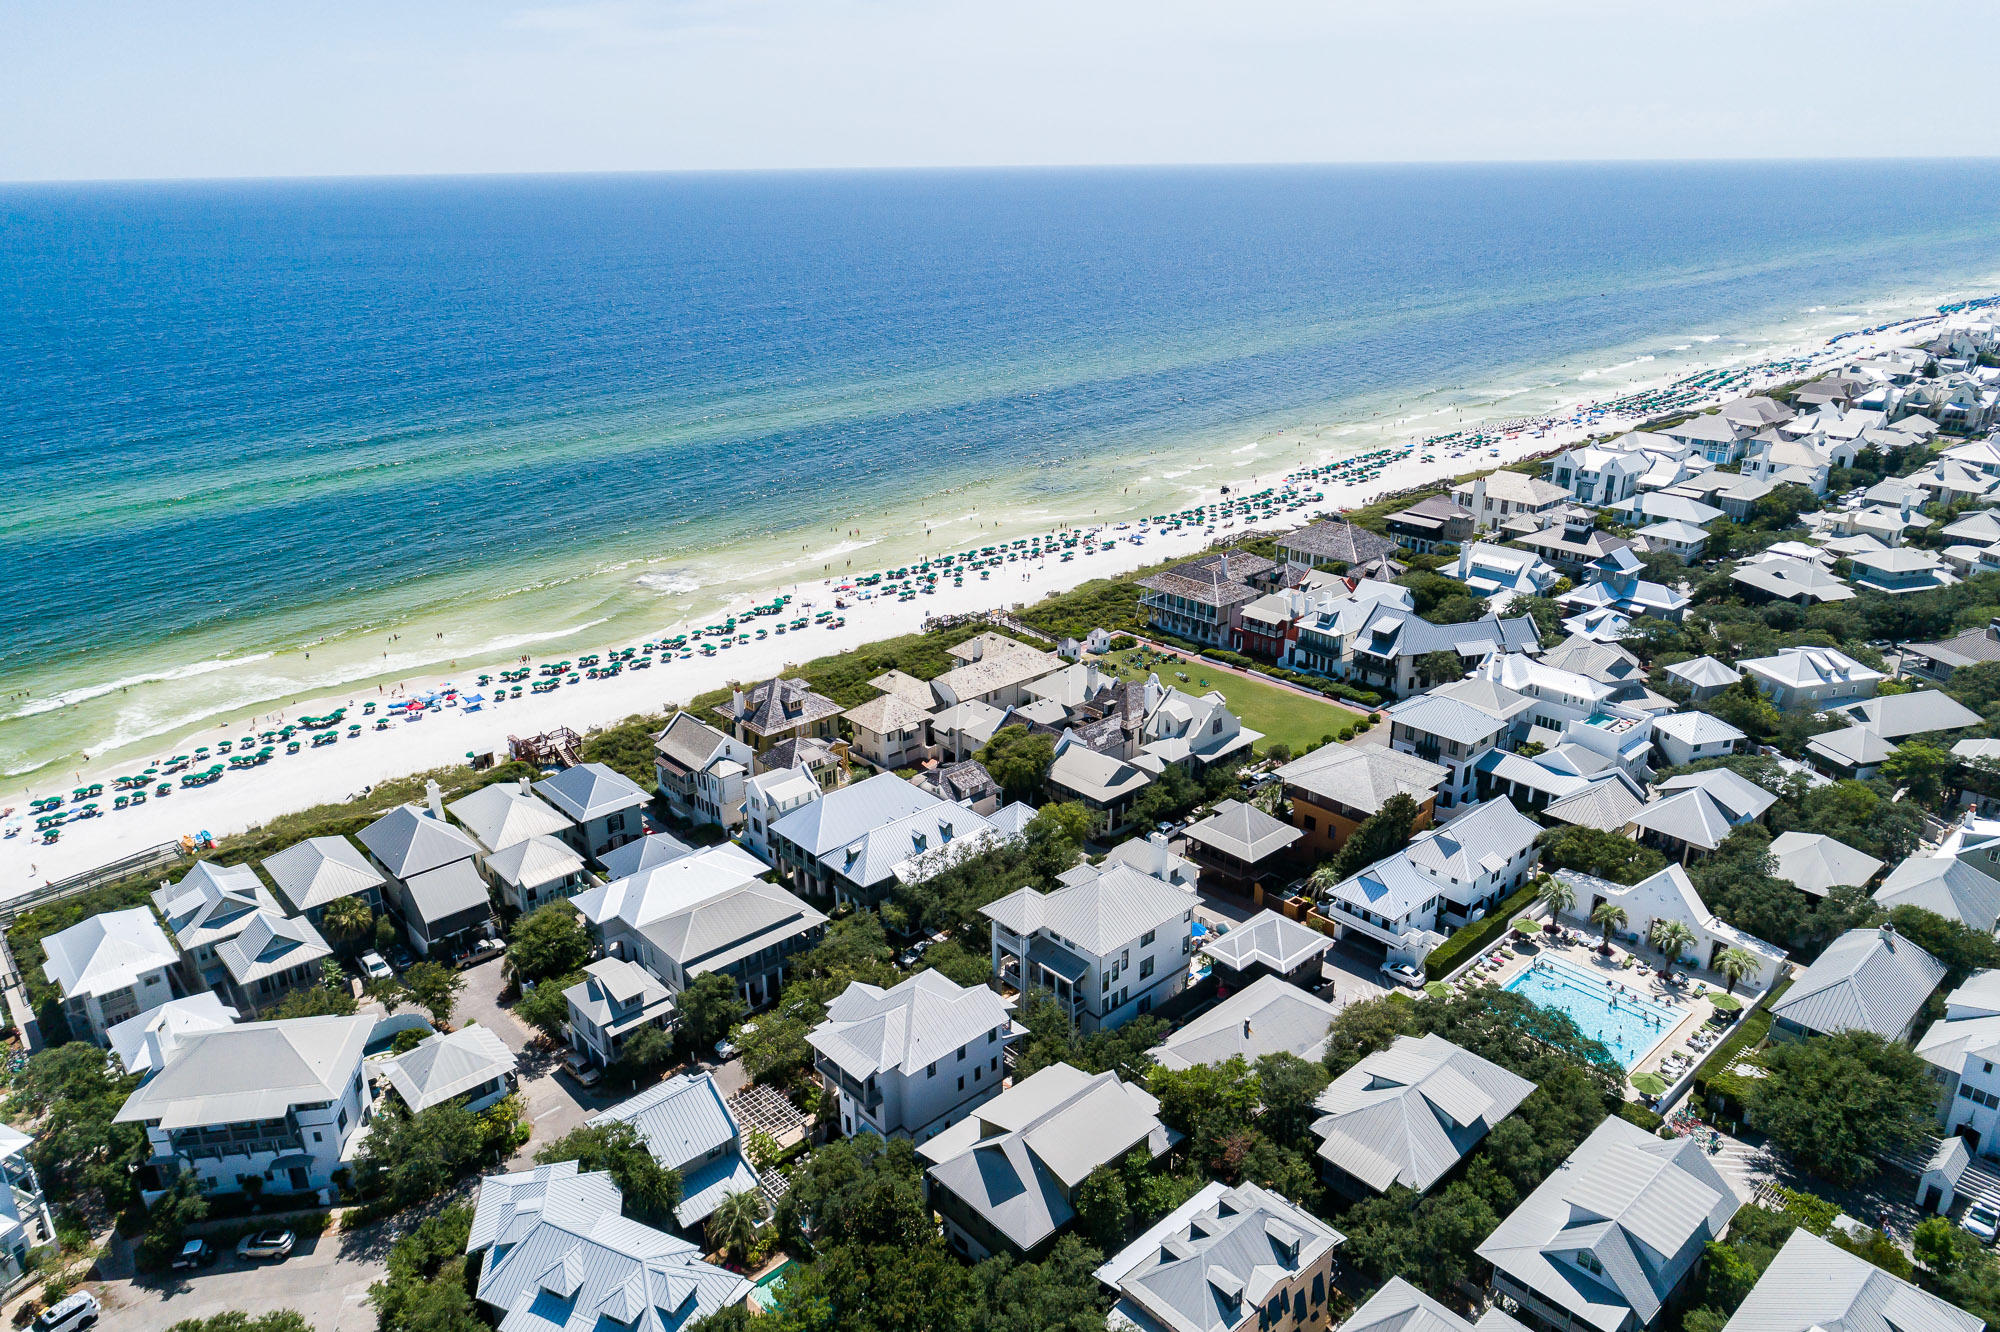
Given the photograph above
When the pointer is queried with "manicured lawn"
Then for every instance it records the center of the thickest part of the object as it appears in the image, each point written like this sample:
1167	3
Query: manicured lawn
1284	717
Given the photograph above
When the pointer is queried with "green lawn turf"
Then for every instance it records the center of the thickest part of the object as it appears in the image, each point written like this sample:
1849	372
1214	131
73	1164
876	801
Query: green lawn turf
1284	717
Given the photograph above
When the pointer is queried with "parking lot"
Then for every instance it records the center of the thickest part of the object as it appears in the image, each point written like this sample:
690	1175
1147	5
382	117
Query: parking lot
325	1279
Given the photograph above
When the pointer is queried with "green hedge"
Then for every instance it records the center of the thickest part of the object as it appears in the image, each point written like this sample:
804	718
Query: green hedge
1634	1113
1448	956
1720	1089
1317	683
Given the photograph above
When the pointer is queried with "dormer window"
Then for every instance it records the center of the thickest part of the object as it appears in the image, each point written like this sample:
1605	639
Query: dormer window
1588	1262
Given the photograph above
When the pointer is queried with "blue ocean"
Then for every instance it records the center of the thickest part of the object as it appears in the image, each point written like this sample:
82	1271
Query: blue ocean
243	422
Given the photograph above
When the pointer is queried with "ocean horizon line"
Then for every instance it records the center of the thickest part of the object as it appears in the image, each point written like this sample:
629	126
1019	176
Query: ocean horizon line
993	168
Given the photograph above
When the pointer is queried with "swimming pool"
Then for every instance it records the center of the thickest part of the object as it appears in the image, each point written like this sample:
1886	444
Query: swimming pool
1629	1026
765	1293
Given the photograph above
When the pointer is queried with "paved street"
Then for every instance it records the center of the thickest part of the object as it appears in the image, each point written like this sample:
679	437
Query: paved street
325	1279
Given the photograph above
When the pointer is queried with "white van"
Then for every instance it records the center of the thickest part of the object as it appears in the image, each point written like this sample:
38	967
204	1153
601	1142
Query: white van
69	1315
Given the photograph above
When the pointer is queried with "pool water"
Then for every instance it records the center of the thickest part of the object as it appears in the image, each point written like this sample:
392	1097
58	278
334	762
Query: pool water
1629	1026
765	1293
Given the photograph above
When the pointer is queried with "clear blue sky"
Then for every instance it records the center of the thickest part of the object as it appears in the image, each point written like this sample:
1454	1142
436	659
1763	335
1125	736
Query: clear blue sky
135	88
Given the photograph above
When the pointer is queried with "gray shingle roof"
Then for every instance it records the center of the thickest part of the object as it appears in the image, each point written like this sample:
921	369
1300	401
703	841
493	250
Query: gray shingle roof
1104	913
1218	579
1815	863
1267	938
106	953
711	934
780	705
589	791
1214	1261
503	814
1642	1207
688	741
1815	1286
1016	1159
271	944
1408	1114
1363	777
320	870
438	894
406	841
255	1071
1867	980
1921	710
1607	806
1689	816
1400	1307
563	1259
1945	886
448	1064
1244	832
1739	798
1267	1016
910	1025
1329	539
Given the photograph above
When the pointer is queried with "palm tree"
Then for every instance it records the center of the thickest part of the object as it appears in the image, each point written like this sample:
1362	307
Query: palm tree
1734	964
732	1226
1670	937
1556	895
1607	917
347	919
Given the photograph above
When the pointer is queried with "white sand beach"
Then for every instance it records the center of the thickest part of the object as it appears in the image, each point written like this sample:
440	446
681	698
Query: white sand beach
245	799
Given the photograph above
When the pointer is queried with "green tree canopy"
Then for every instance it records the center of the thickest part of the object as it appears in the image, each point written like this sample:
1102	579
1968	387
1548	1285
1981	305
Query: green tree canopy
1603	854
1383	833
235	1320
864	1190
1019	760
651	1190
434	988
1362	1028
79	1153
1834	1101
710	1005
549	941
544	1007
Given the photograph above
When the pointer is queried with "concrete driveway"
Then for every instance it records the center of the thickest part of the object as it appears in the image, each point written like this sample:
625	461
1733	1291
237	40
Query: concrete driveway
325	1279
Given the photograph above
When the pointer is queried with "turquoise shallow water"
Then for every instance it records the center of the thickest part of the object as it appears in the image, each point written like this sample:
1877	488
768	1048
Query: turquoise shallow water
1629	1026
388	423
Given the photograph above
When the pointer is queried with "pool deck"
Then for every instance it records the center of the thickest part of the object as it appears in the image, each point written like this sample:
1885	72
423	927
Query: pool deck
1675	1052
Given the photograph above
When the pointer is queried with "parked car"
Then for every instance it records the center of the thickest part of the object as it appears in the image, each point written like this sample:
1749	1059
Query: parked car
69	1314
374	968
1982	1221
914	954
1405	975
726	1050
195	1253
265	1244
586	1073
399	957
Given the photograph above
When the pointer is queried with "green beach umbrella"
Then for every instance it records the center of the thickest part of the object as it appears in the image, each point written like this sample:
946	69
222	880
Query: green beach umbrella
1652	1084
